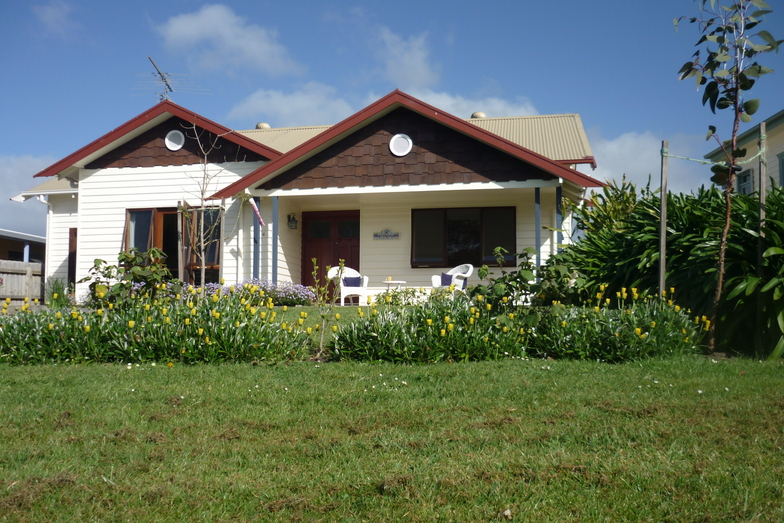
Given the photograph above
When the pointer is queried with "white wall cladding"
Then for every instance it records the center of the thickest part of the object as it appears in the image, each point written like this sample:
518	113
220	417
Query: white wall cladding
106	194
60	218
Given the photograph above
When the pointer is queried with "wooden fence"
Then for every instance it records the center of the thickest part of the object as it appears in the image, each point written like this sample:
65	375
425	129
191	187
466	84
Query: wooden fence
19	280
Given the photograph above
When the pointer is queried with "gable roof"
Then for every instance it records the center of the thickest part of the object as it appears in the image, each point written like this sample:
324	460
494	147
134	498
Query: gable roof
385	105
143	122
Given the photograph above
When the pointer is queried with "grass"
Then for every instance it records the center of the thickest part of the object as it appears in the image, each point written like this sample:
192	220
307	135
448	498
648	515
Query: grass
548	441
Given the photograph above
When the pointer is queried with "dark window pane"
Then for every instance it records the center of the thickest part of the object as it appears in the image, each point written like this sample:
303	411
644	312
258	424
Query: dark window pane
463	236
212	236
348	229
427	237
139	229
320	229
169	239
498	226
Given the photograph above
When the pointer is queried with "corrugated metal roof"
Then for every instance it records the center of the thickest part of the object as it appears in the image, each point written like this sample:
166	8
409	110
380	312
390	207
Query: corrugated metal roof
558	137
284	139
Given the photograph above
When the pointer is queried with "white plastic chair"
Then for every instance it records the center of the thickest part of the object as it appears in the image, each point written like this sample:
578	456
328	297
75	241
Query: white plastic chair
336	276
459	275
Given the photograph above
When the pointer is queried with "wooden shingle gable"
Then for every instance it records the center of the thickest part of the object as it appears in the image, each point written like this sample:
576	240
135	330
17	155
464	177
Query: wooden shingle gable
440	155
149	149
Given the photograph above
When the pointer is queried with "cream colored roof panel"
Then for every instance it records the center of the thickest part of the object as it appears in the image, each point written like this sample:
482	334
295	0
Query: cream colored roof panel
284	139
557	136
52	185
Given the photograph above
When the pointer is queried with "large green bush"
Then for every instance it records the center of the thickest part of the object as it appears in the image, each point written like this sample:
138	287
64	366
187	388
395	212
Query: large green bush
620	249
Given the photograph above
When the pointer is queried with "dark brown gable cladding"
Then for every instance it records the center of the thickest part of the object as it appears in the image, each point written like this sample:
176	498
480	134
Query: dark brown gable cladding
149	149
439	155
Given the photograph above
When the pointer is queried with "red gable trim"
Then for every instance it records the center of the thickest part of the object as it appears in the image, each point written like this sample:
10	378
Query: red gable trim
377	109
163	107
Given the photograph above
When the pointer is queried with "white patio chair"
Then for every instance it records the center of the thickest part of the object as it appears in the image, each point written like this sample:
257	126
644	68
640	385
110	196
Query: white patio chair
357	286
459	276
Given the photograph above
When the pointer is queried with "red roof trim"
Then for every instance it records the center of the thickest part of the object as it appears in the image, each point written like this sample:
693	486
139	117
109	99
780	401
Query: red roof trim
163	107
401	99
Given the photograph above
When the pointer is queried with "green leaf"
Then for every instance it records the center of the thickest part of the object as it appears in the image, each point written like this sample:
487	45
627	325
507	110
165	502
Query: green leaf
745	118
744	82
738	289
769	40
750	106
772	283
778	350
739	153
773	251
711	131
757	70
760	4
710	95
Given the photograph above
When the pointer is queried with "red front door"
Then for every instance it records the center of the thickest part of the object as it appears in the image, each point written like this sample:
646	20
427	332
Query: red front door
329	236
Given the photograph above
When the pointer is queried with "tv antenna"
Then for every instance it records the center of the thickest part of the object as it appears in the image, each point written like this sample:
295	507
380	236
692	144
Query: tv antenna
164	83
163	78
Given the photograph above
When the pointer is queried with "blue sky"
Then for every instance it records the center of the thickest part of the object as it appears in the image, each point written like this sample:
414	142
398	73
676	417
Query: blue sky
74	70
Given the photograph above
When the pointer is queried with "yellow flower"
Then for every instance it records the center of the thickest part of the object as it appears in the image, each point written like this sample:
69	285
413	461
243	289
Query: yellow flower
596	309
237	324
472	309
223	281
672	290
522	330
86	328
337	316
206	339
479	297
505	328
182	351
263	315
446	319
471	320
98	312
602	287
177	297
310	330
300	321
190	304
489	306
369	300
334	328
193	312
215	298
200	331
375	312
58	315
131	324
388	299
653	324
217	315
54	296
146	306
80	318
187	321
505	299
164	311
707	325
643	335
285	308
166	320
637	331
511	316
361	314
443	332
283	326
74	315
253	311
51	326
451	326
305	314
231	289
669	302
170	365
35	301
563	324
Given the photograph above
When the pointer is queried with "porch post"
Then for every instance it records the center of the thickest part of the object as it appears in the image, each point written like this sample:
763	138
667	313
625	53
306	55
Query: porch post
538	226
558	218
275	239
26	255
256	232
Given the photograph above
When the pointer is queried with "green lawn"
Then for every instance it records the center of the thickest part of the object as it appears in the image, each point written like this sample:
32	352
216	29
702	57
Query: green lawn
675	440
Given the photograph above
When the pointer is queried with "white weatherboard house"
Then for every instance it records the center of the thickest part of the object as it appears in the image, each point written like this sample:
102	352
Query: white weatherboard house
747	181
400	189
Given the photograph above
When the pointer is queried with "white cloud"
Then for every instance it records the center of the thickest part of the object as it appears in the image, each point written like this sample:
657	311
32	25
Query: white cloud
463	107
407	62
16	175
638	155
313	104
214	38
56	17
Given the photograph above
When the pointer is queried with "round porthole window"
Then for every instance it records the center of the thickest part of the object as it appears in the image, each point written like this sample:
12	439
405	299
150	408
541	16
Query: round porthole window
174	140
400	144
